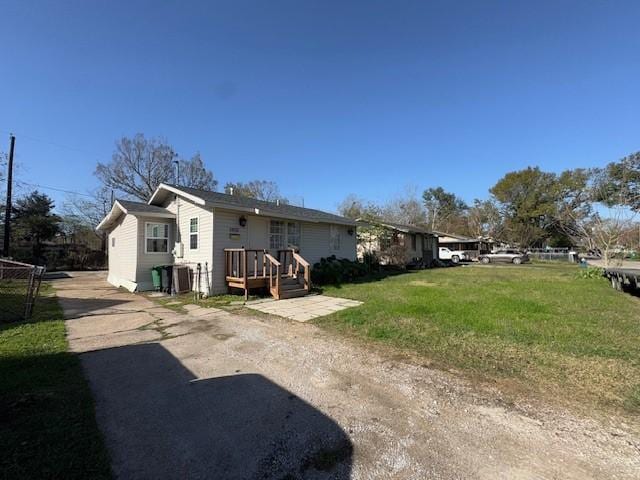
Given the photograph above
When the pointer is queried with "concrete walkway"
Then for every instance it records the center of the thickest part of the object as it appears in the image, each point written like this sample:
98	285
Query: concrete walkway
633	264
302	309
213	395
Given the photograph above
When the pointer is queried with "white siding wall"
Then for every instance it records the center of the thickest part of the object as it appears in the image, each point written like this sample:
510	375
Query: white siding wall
123	256
148	260
224	221
424	245
314	241
185	210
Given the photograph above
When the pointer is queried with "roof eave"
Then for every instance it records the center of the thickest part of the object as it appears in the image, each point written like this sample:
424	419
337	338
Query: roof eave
110	216
177	191
153	214
271	213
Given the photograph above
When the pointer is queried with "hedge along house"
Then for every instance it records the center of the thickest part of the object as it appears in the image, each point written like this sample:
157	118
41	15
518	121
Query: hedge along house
397	244
241	242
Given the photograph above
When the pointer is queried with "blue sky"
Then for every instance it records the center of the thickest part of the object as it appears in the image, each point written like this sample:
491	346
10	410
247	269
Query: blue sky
326	98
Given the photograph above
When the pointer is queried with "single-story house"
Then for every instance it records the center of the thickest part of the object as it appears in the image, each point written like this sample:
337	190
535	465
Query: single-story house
238	242
394	243
471	246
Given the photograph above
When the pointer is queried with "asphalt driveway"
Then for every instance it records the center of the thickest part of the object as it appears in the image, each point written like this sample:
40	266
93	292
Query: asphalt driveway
226	396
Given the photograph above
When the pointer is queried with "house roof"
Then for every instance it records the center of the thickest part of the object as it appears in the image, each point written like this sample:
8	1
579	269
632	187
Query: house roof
397	226
453	238
121	207
237	202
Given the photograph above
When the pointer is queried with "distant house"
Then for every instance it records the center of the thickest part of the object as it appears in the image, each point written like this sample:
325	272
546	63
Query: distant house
238	242
471	246
394	243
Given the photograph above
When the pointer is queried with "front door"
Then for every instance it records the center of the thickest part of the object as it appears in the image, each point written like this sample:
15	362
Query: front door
258	234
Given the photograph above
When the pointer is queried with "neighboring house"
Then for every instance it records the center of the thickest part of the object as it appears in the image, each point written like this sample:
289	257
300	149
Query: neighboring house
241	242
393	243
471	246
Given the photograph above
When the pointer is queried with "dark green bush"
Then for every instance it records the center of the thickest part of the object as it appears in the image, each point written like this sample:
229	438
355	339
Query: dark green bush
333	271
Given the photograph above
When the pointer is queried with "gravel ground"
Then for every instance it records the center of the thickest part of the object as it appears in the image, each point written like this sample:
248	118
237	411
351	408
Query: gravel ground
211	394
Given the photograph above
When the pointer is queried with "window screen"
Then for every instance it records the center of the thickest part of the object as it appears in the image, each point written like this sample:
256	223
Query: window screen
193	233
157	238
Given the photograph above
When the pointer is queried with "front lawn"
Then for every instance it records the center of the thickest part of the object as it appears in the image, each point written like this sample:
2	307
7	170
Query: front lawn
531	328
47	420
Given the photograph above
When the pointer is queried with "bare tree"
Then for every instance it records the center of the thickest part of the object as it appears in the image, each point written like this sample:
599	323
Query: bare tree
405	208
484	219
139	165
599	212
259	189
194	174
89	211
355	207
443	209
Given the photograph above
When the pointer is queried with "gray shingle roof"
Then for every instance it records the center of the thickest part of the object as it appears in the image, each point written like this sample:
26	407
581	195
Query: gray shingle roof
398	226
283	210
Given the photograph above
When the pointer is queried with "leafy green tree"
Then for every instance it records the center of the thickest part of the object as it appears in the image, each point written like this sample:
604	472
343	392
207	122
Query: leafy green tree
528	203
34	221
619	182
443	209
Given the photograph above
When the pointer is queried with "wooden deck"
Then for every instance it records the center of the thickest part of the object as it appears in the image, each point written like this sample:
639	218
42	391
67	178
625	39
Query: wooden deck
287	276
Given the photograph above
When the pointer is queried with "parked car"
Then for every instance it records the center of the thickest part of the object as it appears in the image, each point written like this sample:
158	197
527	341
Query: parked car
507	256
456	256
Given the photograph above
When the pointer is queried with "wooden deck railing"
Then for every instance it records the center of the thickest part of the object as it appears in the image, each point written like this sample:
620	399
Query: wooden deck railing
301	262
274	281
243	263
252	268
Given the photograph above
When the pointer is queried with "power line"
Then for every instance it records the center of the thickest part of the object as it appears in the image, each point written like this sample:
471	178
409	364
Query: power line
56	144
54	188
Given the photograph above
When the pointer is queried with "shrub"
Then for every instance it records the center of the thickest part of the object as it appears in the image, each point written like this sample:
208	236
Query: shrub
590	272
371	260
334	271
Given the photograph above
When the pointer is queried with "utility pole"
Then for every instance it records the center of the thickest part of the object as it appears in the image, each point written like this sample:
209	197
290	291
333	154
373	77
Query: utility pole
7	215
177	172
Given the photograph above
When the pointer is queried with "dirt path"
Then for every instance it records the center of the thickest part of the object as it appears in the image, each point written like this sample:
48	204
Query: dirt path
218	395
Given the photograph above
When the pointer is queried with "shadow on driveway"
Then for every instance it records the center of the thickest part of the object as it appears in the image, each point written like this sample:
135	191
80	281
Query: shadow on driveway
160	421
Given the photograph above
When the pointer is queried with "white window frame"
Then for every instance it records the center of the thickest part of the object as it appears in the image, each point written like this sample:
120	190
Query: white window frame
282	234
285	235
297	234
196	233
334	238
167	238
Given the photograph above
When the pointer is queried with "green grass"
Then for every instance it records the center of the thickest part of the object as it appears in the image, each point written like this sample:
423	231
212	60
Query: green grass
534	327
47	419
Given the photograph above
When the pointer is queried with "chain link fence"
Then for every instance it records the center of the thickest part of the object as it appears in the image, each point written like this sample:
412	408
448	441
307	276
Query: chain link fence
19	287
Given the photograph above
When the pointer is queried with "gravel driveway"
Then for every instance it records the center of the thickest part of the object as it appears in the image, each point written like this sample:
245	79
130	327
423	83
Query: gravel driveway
226	396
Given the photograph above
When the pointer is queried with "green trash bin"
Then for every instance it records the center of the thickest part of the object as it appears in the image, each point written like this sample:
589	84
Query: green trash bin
156	277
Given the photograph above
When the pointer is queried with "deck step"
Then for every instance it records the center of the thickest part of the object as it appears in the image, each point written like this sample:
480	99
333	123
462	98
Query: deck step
288	281
298	292
290	286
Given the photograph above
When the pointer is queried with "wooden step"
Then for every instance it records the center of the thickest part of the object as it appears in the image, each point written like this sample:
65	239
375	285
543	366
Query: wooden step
298	292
